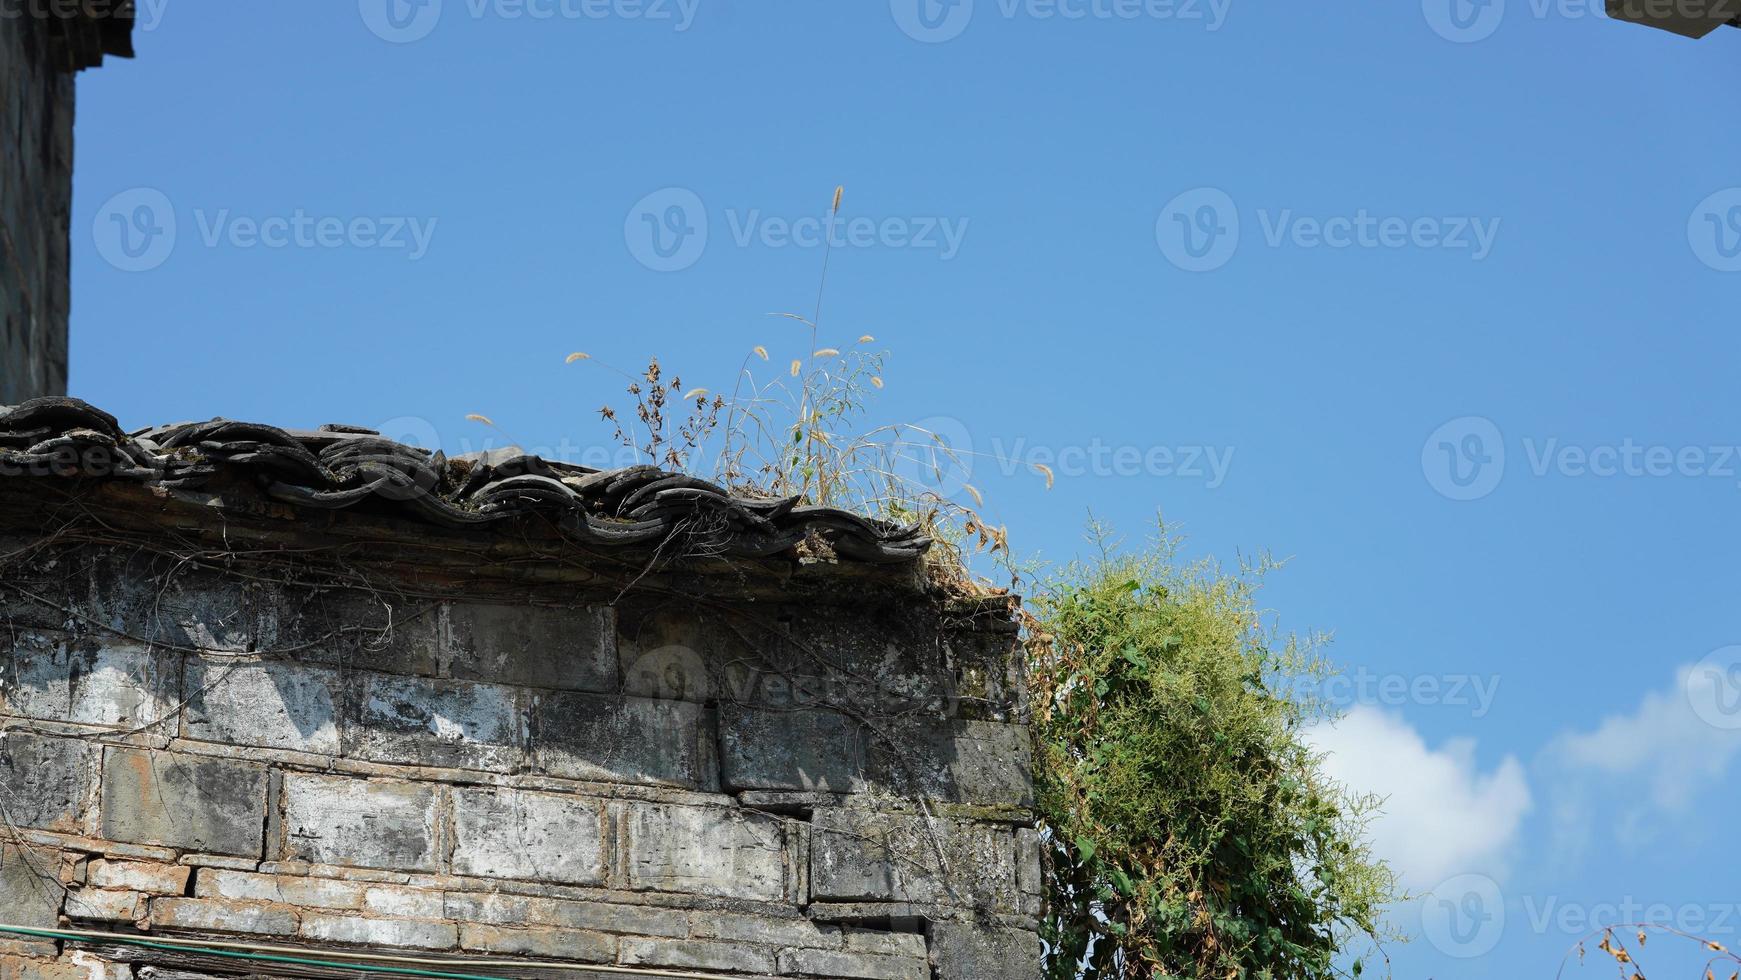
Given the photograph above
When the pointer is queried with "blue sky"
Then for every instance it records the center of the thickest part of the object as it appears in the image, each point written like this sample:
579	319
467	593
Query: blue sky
1440	306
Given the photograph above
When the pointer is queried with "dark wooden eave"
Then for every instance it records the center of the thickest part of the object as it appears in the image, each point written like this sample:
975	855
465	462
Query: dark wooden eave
82	33
1688	18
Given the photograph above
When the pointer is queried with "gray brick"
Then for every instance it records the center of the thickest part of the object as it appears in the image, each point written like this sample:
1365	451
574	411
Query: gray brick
46	781
242	886
738	928
535	836
59	677
360	822
967	951
420	721
139	876
984	763
353	630
566	649
563	944
632	740
105	905
864	856
30	891
363	931
215	806
521	910
803	750
858	966
217	915
706	851
695	955
159	599
273	704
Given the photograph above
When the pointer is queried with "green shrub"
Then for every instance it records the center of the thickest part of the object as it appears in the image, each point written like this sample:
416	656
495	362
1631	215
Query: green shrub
1189	830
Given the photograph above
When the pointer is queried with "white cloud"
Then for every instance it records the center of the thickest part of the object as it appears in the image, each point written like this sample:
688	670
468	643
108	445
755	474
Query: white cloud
1442	816
1675	748
1649	764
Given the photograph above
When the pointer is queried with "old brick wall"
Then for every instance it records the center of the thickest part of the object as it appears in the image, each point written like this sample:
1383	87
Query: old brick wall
36	156
833	784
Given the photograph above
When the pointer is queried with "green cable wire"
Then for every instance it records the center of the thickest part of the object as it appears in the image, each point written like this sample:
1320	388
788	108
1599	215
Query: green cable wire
266	957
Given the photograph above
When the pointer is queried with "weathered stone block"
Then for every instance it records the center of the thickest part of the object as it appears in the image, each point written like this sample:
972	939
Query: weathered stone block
564	944
215	806
362	931
103	905
1030	871
30	888
353	630
521	910
967	951
858	966
47	780
159	599
61	677
360	822
421	721
565	649
241	886
737	928
631	740
535	836
398	902
695	955
799	749
885	943
274	704
864	856
706	851
984	763
674	651
216	915
139	876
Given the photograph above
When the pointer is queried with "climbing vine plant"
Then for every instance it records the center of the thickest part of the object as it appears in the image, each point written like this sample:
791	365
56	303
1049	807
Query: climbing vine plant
1189	829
